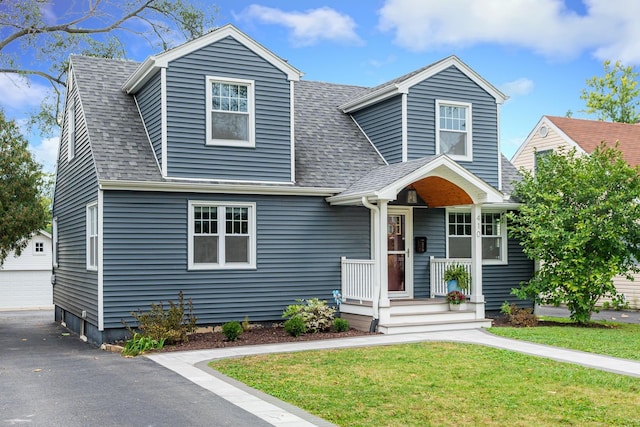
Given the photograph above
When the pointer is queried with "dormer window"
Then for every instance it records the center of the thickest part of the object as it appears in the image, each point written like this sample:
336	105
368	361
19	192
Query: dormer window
230	112
453	134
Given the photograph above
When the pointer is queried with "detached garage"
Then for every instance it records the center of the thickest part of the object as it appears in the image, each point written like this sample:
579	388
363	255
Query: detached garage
25	281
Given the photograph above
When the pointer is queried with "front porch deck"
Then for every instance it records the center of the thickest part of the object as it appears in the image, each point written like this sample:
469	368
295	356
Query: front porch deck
366	307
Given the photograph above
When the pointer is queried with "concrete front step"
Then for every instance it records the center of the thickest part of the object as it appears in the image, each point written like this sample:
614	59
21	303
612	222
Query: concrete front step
451	325
432	317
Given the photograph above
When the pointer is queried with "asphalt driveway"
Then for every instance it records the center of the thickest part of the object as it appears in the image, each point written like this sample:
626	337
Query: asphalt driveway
51	378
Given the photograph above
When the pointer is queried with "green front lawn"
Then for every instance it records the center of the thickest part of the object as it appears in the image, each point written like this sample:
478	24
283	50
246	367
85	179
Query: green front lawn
617	339
441	384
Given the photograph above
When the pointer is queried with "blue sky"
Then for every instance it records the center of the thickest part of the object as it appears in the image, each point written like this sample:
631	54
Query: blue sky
538	52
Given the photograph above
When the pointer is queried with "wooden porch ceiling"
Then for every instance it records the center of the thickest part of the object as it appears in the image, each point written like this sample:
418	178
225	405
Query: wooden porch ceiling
438	192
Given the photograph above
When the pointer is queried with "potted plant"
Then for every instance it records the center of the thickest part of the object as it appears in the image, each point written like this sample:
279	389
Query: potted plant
457	278
457	300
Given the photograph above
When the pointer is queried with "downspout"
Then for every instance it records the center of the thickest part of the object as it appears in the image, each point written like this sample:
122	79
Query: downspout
376	263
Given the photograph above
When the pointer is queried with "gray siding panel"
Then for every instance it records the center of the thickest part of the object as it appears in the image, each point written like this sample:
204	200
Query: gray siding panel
188	156
453	85
149	100
429	223
76	289
299	244
383	125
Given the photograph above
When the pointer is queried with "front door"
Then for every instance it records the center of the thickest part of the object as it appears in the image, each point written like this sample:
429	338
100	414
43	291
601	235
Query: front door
399	262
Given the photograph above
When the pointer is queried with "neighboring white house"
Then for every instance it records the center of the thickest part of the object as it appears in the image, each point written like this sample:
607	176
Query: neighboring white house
552	133
25	281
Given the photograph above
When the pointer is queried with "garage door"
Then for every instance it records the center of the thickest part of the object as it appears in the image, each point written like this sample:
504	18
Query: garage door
25	289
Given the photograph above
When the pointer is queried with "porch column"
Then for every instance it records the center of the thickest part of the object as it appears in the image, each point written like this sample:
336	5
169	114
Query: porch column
382	253
476	255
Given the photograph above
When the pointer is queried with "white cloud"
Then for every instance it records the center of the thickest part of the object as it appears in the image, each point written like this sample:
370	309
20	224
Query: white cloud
17	92
607	29
518	87
46	153
309	27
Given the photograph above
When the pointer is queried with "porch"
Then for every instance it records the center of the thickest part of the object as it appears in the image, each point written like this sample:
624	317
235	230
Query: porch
368	307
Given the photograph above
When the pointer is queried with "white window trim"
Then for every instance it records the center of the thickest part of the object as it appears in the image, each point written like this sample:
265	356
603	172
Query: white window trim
250	107
222	264
71	130
469	145
503	234
90	206
54	242
35	248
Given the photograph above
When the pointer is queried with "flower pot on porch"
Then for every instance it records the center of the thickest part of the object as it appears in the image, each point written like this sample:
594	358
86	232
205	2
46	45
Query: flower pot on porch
452	285
458	307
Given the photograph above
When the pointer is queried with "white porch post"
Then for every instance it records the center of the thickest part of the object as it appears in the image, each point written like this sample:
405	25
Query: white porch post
476	257
382	254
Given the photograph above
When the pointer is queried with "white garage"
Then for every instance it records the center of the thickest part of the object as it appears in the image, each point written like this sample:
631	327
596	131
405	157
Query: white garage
25	281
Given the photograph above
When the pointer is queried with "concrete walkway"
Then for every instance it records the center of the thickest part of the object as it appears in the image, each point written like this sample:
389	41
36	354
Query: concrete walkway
193	366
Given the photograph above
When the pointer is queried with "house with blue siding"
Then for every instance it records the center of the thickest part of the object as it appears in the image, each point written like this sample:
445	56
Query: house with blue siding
214	169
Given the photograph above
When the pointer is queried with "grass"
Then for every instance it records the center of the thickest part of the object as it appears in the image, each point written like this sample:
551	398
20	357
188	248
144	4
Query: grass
618	339
440	384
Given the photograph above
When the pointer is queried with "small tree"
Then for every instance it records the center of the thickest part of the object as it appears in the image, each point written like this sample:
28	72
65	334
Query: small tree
22	211
615	95
581	219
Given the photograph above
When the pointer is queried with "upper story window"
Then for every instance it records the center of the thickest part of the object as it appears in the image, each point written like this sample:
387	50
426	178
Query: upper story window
494	236
230	112
71	130
222	235
540	156
453	133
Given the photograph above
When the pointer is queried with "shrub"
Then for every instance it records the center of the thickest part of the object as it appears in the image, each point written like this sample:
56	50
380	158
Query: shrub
340	325
172	325
519	316
316	314
139	344
246	326
295	326
232	330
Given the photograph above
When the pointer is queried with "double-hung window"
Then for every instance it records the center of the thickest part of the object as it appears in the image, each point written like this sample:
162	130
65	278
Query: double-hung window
453	133
493	234
222	235
92	236
230	112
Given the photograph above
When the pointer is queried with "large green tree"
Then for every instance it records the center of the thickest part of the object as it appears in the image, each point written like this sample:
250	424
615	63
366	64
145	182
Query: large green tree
614	96
37	36
22	211
580	218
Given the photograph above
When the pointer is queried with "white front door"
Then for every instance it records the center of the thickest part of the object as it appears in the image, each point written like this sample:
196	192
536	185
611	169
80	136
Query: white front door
399	252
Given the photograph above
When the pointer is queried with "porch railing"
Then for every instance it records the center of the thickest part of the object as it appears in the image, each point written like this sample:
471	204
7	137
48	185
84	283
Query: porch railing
357	279
437	268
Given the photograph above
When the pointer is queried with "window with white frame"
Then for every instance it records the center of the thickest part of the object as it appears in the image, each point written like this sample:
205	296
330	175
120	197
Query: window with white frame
493	231
453	134
38	248
71	130
92	236
230	112
222	235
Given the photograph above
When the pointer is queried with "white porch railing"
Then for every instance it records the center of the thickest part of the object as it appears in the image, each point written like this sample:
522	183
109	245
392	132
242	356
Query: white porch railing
357	279
438	266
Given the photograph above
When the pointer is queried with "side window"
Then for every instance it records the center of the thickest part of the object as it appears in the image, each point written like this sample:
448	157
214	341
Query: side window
222	235
539	157
459	236
38	248
453	130
494	237
92	236
230	112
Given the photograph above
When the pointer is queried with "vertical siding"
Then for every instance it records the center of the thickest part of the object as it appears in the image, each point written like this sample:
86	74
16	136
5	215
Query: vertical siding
453	85
149	102
431	224
76	289
383	125
299	244
187	154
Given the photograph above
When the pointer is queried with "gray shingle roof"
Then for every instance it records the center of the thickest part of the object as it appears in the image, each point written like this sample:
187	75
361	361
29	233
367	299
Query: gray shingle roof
120	147
331	151
510	175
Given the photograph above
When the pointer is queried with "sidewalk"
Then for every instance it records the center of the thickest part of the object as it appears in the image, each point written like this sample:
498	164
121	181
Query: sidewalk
193	366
